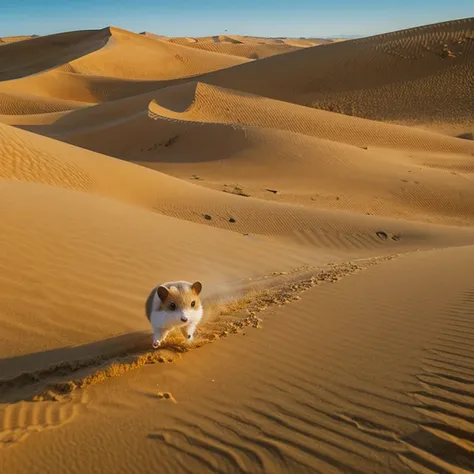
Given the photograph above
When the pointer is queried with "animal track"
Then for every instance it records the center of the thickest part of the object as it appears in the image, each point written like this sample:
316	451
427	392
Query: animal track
19	420
223	319
166	396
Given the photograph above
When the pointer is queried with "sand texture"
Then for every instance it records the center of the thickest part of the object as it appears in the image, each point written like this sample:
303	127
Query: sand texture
247	46
323	193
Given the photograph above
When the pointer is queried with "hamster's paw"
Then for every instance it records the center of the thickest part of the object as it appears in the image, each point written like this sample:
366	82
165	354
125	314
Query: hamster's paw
156	344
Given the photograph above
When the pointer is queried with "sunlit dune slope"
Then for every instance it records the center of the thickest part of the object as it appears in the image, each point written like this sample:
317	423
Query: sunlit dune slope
294	184
93	226
108	52
245	46
245	50
66	69
419	76
13	39
28	157
81	264
316	158
203	103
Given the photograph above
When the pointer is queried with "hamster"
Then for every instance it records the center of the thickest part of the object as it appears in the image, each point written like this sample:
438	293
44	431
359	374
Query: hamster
174	305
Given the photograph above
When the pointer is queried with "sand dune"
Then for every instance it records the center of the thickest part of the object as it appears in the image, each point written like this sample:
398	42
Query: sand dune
395	77
87	66
327	229
148	59
341	391
31	158
28	104
21	58
88	257
337	162
13	39
245	50
201	102
84	200
98	52
245	46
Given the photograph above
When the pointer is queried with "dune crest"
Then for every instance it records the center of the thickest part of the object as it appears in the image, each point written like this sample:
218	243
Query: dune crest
391	77
78	66
246	46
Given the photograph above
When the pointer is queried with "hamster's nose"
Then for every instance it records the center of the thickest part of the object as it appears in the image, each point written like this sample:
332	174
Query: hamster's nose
184	319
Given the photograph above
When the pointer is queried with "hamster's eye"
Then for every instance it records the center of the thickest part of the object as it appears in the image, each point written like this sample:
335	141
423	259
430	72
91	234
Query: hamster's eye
172	306
193	304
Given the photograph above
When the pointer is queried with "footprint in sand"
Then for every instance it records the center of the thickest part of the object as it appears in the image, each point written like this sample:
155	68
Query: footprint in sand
385	236
166	396
19	420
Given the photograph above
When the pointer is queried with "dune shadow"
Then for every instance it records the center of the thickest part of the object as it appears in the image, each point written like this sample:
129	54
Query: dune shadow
22	377
48	375
439	449
157	437
177	137
466	136
21	59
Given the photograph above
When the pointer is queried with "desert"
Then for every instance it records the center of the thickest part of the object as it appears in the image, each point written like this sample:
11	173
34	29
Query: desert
322	190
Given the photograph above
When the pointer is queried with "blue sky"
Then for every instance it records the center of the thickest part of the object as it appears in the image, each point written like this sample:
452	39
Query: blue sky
245	17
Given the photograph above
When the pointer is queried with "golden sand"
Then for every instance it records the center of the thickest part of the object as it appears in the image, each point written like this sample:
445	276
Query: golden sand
320	190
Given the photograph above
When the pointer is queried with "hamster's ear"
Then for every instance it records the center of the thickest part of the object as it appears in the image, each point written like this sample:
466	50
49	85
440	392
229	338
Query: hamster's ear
197	287
162	292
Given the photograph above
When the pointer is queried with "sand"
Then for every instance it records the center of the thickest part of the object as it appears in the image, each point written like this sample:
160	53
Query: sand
246	46
320	192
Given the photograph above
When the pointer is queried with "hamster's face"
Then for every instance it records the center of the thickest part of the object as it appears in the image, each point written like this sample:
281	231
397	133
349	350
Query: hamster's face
182	299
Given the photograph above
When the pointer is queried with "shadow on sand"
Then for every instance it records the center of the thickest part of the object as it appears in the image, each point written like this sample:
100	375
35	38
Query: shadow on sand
24	376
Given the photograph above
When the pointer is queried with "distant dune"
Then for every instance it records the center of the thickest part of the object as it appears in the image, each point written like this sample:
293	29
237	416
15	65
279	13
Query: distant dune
246	46
81	67
13	39
394	77
322	191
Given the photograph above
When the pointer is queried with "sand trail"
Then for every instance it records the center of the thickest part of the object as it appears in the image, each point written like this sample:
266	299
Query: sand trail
308	392
70	261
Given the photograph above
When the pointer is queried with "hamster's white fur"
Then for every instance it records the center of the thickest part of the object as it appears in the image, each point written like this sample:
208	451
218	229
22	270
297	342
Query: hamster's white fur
178	295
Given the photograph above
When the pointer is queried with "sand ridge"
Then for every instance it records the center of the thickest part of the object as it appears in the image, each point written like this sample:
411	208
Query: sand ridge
245	46
322	195
338	162
424	59
13	39
395	76
65	73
